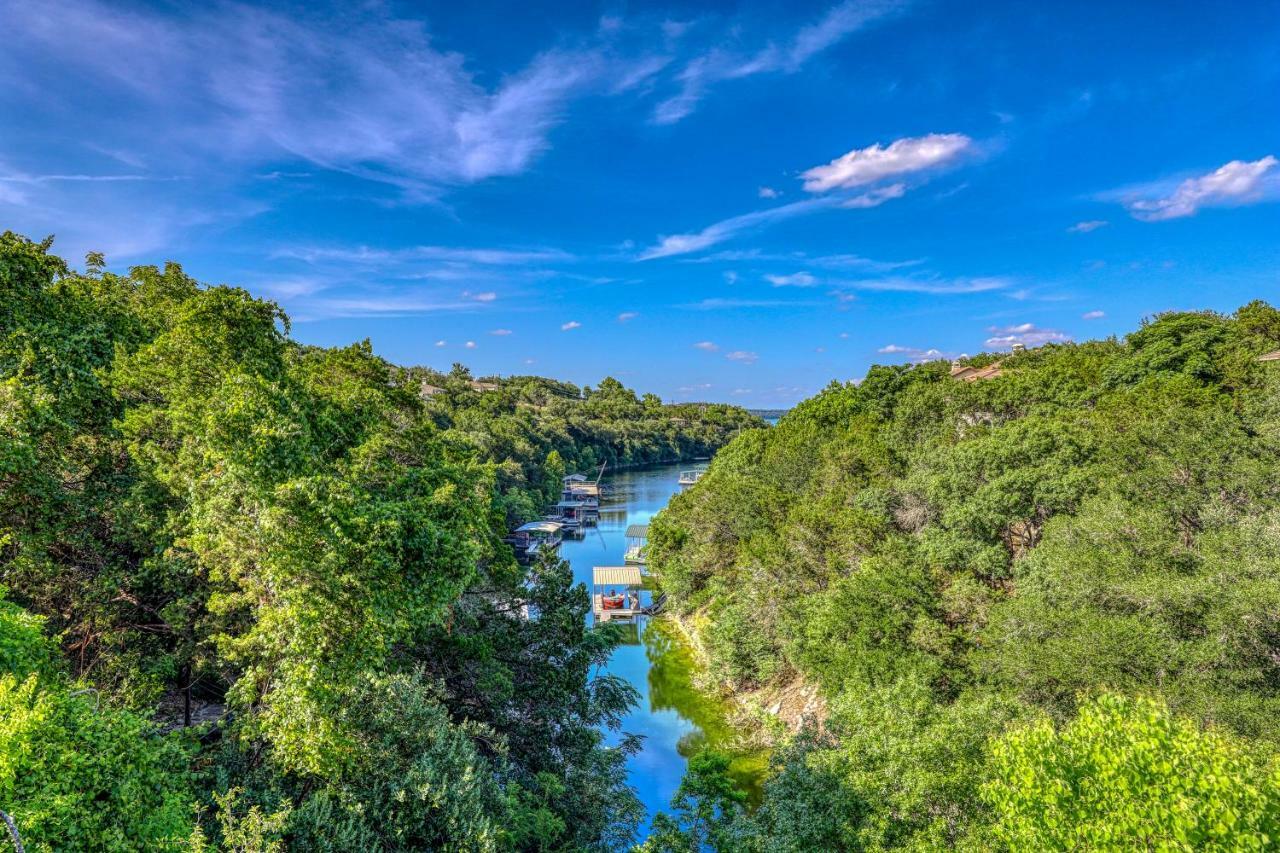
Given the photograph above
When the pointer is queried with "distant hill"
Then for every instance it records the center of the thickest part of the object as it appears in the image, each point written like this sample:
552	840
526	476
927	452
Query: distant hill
768	414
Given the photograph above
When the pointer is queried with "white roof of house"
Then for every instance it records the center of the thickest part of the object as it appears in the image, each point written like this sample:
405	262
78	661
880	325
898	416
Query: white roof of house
616	576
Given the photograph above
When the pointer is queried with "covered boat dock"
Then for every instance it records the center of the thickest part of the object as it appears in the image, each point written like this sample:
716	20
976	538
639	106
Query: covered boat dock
615	592
637	541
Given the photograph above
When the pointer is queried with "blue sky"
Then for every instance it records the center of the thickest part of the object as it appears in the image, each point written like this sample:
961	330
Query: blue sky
735	203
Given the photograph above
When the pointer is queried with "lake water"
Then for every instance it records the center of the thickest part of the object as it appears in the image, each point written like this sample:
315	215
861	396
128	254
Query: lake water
676	719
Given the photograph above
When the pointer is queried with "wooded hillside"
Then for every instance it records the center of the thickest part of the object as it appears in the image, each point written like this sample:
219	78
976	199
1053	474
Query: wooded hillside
1043	608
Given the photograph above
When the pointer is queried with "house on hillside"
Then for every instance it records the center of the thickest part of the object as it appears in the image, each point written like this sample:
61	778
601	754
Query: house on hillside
426	391
483	386
967	373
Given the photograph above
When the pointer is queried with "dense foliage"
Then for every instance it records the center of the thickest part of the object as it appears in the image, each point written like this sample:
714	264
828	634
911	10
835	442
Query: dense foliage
256	594
962	568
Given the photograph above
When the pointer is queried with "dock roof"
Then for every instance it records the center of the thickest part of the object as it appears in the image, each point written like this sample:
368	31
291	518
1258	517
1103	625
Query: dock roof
539	527
638	531
616	576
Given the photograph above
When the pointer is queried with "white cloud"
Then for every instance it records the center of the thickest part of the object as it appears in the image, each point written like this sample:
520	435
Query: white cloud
738	392
1093	315
857	169
1235	183
730	277
486	296
441	343
501	332
706	346
863	166
844	336
768	192
1027	334
1087	226
916	355
798	279
742	356
628	316
470	344
569	326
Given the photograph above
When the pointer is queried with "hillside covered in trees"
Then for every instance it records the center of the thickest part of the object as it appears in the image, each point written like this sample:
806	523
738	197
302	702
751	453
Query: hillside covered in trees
1042	610
253	594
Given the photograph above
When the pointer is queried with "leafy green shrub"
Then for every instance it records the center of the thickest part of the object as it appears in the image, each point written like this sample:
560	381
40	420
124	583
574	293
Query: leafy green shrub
1126	774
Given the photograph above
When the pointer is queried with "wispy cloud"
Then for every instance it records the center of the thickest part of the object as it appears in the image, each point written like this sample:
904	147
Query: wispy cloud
863	166
570	326
934	286
375	305
628	316
742	356
768	192
718	65
874	197
361	92
796	279
1087	226
1093	315
502	333
1027	334
368	255
706	346
719	303
828	262
1233	184
726	229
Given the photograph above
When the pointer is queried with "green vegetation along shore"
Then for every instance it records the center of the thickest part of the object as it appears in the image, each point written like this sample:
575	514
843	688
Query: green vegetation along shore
1042	608
253	595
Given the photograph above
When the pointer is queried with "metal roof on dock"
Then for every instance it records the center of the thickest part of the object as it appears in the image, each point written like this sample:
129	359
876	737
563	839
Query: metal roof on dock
638	531
617	576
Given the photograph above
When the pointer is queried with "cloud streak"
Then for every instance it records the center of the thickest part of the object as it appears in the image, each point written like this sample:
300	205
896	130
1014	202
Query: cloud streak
727	229
1233	184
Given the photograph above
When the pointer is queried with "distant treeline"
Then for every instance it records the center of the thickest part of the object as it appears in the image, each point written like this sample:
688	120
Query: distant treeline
1043	608
296	550
536	430
768	414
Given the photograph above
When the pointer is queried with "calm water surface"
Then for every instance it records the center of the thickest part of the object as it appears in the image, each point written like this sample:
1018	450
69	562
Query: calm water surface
675	719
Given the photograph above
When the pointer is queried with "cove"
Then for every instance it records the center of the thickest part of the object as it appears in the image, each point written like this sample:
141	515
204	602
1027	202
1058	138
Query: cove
674	717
